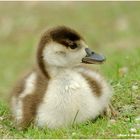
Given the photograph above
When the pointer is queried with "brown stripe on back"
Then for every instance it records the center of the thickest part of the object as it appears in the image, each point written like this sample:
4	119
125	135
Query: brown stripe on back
32	101
94	85
44	40
20	85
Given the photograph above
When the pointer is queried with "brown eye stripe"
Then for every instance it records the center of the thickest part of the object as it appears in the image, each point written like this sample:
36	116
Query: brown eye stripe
63	42
70	44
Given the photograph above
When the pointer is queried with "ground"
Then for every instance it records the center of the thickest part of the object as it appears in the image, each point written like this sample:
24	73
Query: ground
111	28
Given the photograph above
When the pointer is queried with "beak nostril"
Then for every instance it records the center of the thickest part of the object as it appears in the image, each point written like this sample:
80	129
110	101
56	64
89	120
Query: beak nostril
88	51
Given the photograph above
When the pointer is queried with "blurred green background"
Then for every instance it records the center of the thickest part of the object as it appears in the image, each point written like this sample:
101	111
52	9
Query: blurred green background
107	26
111	28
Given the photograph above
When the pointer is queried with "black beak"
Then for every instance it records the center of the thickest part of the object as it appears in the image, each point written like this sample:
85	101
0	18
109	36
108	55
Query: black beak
92	57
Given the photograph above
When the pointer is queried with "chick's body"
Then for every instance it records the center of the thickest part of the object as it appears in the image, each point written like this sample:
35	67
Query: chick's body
60	91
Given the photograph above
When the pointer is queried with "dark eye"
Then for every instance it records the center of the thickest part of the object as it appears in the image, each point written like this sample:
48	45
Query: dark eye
73	46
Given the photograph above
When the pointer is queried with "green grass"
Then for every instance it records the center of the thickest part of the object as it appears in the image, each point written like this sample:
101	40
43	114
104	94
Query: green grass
109	27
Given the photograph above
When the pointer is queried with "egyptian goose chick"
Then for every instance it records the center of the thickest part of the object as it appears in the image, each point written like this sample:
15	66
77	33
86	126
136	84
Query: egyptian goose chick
60	91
